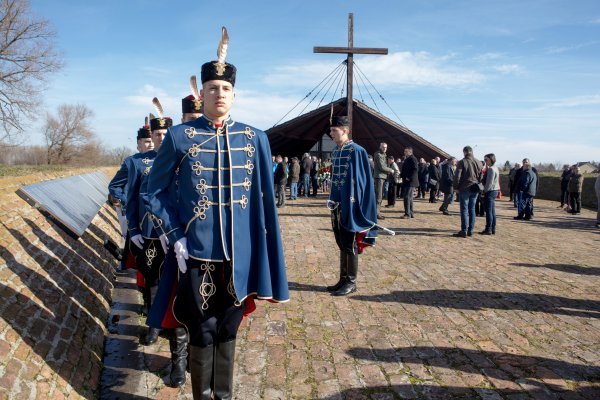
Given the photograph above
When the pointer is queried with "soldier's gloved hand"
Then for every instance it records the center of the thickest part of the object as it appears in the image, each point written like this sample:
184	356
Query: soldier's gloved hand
164	242
181	254
138	241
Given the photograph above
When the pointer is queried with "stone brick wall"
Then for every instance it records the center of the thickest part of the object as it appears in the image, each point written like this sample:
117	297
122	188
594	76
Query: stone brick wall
55	299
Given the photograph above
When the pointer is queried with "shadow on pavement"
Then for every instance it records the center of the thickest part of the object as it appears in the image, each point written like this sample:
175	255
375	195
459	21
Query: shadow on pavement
529	371
569	268
477	300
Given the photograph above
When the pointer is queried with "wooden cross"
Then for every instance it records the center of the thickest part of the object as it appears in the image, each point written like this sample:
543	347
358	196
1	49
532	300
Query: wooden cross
350	51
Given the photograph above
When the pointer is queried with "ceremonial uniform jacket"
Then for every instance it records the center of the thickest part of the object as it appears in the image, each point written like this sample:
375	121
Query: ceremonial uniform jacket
138	218
352	187
117	186
225	201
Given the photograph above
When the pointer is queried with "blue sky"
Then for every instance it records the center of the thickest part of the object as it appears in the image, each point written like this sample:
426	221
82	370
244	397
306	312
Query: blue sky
516	78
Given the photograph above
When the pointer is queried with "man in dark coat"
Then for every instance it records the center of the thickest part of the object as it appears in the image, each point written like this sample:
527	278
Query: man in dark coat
305	175
434	180
423	178
446	181
526	187
466	180
410	180
564	186
280	181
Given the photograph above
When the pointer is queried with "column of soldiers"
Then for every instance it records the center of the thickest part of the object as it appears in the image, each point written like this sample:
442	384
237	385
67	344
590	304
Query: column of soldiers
202	222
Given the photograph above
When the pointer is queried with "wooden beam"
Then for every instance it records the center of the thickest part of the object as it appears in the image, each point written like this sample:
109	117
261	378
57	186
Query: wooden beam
353	50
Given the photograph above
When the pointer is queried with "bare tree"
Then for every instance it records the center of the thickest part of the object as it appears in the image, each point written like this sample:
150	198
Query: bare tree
27	57
117	155
68	132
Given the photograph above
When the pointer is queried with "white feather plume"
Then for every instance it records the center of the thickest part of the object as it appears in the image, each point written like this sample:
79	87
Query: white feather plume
223	44
194	87
158	107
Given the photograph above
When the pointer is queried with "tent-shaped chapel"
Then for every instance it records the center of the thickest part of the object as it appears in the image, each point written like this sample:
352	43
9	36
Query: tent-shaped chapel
309	132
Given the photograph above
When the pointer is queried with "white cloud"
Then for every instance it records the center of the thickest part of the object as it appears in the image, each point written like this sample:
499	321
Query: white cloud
595	21
395	69
509	68
261	110
155	71
417	69
569	102
488	56
143	101
559	50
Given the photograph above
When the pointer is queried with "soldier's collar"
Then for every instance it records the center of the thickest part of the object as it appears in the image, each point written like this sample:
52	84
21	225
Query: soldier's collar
227	122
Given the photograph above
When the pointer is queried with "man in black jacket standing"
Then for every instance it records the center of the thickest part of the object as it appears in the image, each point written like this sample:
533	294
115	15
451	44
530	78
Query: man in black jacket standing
280	181
410	180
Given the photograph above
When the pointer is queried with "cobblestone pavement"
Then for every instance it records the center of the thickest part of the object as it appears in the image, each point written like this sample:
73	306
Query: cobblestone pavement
510	316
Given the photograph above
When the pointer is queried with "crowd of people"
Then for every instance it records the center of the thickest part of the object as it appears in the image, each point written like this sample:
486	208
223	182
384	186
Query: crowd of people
474	184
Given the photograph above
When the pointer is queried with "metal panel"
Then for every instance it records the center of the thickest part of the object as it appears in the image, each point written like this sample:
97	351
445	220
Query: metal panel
73	201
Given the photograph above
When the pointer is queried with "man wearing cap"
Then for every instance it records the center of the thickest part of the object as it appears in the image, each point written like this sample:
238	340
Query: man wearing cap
225	230
117	188
352	204
161	314
147	247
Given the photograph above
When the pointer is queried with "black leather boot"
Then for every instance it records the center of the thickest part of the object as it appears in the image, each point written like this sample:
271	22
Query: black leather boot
342	274
152	334
223	370
178	346
201	371
349	285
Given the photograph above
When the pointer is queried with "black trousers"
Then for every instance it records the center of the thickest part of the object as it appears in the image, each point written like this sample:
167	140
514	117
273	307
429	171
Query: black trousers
575	202
391	195
345	239
408	199
564	193
206	303
150	260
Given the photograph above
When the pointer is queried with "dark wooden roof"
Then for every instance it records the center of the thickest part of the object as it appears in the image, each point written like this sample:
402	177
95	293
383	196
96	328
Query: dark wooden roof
299	135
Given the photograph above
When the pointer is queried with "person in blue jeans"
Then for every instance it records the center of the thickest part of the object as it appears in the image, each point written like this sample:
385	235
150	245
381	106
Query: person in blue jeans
491	187
466	180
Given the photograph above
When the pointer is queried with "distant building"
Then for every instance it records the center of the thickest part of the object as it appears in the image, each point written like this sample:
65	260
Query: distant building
587	167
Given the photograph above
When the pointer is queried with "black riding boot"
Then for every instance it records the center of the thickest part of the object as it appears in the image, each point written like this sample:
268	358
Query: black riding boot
201	371
342	274
146	301
223	370
349	285
178	346
152	334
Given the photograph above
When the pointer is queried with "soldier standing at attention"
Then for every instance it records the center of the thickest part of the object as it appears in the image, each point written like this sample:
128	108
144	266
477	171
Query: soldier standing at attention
117	189
149	251
225	230
352	204
161	314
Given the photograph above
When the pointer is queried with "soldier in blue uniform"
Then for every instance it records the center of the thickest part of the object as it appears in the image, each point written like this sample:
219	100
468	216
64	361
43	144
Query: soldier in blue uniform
352	204
225	230
161	314
147	246
117	187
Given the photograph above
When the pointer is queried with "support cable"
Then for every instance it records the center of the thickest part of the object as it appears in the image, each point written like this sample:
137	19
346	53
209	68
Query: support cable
336	88
381	97
328	89
359	74
314	97
309	93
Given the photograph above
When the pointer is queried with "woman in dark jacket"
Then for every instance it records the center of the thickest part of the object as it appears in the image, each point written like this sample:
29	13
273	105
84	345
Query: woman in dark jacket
434	180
